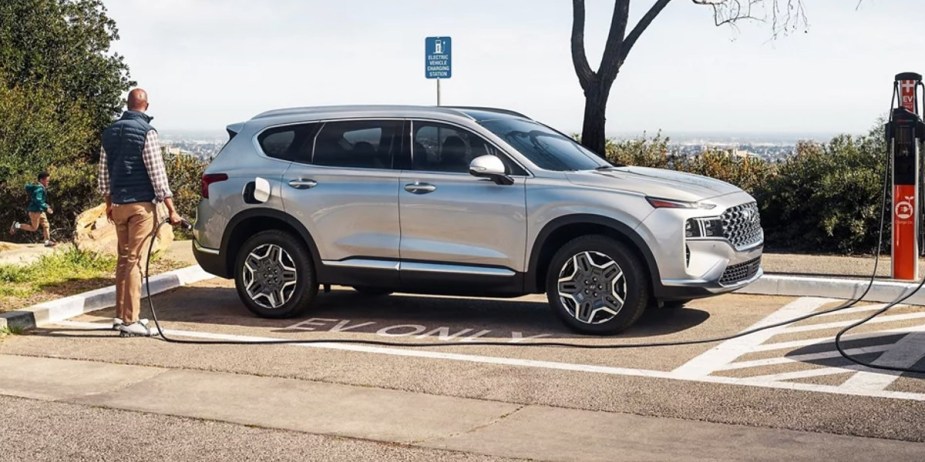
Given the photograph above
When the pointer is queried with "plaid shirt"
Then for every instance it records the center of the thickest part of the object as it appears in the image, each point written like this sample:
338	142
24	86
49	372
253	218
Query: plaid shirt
154	163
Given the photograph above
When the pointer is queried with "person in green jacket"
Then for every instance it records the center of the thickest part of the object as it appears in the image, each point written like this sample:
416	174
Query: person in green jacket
37	209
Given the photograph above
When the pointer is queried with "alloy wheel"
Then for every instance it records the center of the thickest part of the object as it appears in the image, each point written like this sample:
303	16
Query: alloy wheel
269	275
592	287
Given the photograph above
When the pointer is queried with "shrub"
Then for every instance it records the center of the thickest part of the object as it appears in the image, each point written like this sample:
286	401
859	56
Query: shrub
641	152
185	173
826	198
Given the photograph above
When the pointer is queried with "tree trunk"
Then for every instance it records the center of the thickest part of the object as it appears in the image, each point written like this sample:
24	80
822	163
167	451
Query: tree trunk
593	135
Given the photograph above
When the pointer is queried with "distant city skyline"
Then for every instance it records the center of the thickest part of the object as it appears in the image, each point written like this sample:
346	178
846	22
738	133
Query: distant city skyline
210	63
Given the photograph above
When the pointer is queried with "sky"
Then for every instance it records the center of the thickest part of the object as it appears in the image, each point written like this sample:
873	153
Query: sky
210	63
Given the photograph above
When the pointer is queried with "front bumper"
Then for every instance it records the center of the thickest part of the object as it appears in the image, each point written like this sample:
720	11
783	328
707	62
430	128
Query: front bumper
719	269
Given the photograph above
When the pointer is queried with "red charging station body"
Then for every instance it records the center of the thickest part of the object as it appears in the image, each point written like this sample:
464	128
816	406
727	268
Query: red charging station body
903	136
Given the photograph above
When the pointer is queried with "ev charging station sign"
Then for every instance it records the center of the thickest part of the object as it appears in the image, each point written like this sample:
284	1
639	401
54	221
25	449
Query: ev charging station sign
438	57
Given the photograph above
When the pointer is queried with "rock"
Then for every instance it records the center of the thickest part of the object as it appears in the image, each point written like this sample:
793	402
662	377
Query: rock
96	234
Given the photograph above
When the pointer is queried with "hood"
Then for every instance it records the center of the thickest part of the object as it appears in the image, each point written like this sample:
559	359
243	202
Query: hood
655	182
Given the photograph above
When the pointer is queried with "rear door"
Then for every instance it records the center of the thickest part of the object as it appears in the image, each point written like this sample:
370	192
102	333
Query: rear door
346	195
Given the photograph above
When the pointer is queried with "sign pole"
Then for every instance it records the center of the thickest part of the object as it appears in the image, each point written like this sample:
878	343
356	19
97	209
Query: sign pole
438	60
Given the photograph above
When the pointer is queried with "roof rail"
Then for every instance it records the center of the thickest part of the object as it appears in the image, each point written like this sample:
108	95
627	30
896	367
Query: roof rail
489	109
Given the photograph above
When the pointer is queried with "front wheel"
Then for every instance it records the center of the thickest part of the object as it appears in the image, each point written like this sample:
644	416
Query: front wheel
596	285
274	276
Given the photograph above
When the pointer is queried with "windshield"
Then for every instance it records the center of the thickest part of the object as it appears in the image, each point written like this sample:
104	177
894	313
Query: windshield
548	149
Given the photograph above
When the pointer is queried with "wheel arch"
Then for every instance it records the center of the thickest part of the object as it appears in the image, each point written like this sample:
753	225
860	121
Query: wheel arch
251	221
563	229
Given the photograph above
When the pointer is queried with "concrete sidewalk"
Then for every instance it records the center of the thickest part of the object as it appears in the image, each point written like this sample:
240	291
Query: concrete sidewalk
417	419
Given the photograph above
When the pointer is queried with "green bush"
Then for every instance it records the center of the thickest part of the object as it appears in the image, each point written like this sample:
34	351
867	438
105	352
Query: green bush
641	152
827	198
185	174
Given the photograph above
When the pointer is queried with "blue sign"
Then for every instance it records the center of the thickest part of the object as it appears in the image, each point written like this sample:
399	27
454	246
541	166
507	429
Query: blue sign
438	63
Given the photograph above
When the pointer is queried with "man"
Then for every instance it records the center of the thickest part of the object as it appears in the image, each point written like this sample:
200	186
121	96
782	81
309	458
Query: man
37	209
132	178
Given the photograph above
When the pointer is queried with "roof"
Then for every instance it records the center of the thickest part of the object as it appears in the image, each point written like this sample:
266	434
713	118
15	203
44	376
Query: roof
473	113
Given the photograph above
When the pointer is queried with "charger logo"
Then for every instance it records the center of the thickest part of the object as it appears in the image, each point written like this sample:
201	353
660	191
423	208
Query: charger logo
904	209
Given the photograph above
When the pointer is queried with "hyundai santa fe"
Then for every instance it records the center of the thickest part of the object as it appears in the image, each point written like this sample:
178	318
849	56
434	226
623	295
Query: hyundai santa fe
462	201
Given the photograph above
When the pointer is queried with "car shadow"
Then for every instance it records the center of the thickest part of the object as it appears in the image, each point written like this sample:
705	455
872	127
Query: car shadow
356	313
833	359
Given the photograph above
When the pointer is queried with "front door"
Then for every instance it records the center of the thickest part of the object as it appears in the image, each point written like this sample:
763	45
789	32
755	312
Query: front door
468	230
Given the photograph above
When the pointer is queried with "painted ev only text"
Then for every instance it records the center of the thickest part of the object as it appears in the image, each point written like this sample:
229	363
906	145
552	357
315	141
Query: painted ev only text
443	333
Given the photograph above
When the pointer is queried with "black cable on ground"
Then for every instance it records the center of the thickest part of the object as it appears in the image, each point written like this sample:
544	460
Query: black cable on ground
609	346
892	304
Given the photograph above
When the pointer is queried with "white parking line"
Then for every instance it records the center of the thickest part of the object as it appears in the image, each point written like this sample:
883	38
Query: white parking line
803	358
587	368
816	372
831	325
845	338
726	352
905	353
861	309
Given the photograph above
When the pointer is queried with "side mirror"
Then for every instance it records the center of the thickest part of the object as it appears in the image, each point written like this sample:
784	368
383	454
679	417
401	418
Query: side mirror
490	167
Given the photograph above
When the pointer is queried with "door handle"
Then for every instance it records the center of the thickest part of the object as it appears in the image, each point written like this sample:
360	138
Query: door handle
420	188
303	183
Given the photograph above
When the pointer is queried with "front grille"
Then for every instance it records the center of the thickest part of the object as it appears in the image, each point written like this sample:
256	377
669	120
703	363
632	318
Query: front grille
740	272
742	225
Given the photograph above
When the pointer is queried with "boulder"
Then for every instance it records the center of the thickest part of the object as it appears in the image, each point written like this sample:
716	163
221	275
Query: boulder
96	234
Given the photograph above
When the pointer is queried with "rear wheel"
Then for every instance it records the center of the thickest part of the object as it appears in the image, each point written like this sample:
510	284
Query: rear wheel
596	285
274	276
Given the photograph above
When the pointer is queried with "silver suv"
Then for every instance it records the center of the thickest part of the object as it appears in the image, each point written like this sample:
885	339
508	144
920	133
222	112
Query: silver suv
462	201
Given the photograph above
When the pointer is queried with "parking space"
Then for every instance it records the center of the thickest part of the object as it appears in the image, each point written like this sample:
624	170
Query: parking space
786	377
799	356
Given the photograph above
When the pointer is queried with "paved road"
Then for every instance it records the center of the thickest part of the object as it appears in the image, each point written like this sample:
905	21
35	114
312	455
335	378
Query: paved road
784	380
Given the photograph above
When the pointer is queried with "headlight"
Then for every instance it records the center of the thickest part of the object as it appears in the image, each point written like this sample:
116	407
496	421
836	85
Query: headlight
707	228
662	203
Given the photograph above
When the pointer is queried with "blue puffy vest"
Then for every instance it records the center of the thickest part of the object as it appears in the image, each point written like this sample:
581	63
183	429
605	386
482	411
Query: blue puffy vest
124	142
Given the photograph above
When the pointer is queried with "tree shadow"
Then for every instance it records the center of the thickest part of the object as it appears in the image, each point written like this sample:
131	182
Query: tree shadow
73	286
855	348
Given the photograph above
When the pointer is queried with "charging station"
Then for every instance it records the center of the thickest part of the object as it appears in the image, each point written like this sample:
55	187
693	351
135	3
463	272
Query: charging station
904	132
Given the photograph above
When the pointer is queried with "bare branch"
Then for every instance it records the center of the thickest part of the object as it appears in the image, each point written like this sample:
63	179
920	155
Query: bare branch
579	58
640	27
785	16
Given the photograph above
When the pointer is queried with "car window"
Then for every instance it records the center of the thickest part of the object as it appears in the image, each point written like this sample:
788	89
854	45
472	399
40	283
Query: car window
358	144
440	147
547	148
290	142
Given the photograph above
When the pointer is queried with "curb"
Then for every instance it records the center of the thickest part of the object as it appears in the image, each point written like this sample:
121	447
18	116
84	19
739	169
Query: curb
828	287
75	305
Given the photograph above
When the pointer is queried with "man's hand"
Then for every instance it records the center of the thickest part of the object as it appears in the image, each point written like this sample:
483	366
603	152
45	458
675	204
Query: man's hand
109	213
49	211
175	219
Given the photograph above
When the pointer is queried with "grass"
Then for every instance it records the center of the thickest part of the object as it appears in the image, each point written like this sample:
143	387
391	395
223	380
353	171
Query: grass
62	273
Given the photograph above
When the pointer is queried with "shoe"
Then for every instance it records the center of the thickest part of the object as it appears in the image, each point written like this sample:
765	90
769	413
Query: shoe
50	243
116	322
135	329
14	228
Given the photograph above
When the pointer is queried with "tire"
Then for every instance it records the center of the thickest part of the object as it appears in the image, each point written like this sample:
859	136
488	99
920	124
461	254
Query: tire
369	291
596	310
274	276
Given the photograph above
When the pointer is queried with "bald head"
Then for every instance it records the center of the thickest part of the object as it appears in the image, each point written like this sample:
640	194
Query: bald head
138	100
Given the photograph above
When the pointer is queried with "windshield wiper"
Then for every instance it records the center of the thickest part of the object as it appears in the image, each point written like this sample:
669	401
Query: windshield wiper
608	167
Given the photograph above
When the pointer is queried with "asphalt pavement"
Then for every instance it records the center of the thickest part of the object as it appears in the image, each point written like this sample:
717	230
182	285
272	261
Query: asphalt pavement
784	393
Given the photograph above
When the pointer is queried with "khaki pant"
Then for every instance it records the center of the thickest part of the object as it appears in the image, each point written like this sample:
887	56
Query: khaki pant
38	221
134	226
